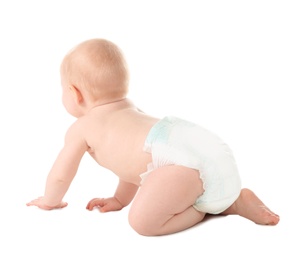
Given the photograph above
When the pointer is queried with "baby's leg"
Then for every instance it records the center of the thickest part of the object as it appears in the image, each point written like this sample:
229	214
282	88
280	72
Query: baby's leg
249	206
163	204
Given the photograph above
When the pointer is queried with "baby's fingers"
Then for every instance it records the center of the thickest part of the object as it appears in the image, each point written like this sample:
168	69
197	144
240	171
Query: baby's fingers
31	203
39	203
63	205
95	203
34	202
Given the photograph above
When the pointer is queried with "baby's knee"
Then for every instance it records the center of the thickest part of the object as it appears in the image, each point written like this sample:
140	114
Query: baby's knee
141	225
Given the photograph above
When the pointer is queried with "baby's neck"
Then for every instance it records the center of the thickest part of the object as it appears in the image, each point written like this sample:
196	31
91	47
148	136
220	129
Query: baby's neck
111	105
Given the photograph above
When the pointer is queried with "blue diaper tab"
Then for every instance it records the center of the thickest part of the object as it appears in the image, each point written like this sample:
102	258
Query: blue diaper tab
160	132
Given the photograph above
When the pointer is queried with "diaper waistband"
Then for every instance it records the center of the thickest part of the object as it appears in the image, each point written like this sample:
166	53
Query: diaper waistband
160	131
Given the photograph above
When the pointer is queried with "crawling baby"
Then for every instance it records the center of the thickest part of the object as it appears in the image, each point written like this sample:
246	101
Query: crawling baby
173	172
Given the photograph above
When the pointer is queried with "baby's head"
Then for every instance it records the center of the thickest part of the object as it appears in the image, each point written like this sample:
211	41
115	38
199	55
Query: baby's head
97	68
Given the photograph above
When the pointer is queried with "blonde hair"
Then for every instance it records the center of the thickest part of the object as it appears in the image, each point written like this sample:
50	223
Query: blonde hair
98	67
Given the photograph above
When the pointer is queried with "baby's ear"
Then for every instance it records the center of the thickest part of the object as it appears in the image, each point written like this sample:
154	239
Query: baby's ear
76	94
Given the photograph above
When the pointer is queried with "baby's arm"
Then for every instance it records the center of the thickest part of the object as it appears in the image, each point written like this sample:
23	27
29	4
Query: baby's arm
63	171
124	194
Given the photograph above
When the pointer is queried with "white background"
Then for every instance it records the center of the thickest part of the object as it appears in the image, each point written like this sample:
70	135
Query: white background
227	65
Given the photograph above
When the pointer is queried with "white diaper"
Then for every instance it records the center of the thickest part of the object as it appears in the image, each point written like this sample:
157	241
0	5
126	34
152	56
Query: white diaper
179	142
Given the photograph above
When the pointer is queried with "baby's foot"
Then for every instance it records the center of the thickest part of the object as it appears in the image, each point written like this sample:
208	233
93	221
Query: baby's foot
249	206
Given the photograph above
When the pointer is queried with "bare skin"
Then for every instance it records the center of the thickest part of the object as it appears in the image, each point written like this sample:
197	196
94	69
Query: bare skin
156	219
172	214
249	206
163	205
113	131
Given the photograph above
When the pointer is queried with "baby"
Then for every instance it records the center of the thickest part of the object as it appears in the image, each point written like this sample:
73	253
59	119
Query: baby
175	171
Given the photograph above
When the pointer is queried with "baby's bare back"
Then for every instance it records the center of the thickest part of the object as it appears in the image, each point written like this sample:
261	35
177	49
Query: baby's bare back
115	134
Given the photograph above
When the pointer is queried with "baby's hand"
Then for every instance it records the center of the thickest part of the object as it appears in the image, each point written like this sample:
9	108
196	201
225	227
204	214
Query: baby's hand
105	205
40	204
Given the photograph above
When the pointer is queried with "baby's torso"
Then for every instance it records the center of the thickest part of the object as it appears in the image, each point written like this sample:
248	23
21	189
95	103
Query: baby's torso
116	140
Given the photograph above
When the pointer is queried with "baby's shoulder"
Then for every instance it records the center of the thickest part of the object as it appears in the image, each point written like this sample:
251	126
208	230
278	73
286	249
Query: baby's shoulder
76	128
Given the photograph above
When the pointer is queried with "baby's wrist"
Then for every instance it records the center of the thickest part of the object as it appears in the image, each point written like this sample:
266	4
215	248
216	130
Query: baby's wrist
47	204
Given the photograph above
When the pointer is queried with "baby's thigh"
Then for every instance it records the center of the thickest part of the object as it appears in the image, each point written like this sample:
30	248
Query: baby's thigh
167	191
